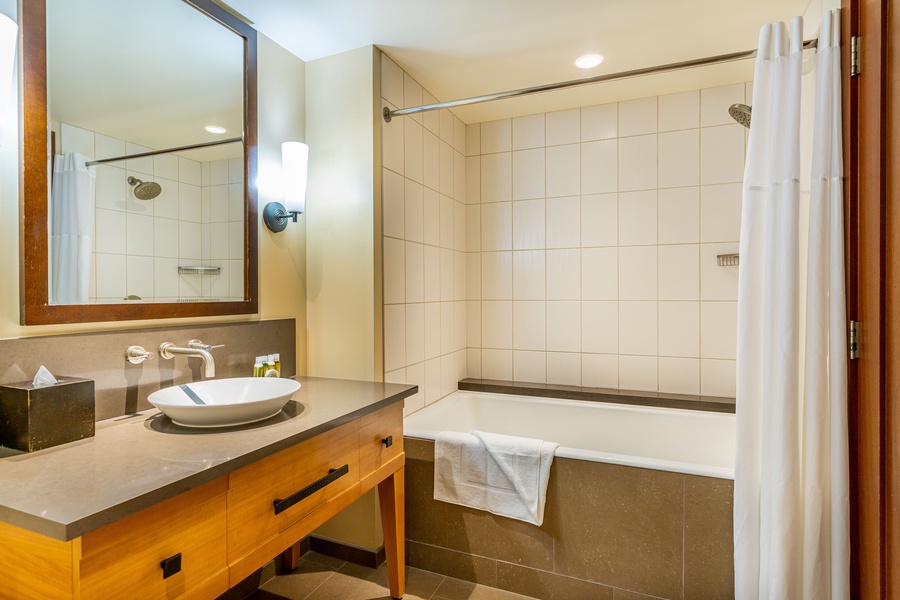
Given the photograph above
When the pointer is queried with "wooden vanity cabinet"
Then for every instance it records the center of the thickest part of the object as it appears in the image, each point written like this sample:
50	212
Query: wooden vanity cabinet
198	544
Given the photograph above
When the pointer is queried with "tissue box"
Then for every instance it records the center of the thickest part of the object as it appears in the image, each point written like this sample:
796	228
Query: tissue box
36	418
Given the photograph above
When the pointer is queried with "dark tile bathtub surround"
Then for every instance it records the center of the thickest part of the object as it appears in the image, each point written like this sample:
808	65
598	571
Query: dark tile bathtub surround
574	392
610	533
121	387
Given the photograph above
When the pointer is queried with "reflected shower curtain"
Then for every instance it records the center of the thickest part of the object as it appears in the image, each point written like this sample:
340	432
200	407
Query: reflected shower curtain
71	229
791	498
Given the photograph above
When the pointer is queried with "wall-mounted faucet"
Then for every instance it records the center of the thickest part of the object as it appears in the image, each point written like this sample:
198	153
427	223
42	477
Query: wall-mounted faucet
194	348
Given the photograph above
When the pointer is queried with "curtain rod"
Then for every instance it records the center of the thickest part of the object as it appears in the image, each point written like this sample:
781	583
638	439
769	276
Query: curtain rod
388	114
166	151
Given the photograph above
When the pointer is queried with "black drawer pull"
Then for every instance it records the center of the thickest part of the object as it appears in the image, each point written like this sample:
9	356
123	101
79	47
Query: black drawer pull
171	565
282	505
388	441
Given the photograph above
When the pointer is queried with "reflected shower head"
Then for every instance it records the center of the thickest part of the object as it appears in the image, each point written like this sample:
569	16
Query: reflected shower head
145	190
740	113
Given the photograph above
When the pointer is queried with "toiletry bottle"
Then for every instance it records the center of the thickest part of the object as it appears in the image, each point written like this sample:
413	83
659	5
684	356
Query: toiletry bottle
258	367
276	359
270	370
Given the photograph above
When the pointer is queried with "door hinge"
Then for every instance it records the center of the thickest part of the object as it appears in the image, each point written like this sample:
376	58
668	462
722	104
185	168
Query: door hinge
854	56
854	340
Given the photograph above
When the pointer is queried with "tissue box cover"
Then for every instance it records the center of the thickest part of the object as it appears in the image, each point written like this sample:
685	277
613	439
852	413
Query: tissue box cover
36	418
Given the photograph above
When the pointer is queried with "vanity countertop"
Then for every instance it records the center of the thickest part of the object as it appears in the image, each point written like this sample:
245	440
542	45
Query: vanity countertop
136	461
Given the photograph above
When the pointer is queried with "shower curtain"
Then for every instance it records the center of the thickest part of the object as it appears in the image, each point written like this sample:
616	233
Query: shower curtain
791	498
71	229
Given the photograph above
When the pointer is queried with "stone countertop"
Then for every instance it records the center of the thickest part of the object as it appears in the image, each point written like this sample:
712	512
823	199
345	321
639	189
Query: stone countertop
136	461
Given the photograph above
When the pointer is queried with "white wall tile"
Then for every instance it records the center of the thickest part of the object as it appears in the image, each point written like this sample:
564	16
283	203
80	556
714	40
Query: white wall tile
679	272
638	373
563	222
459	330
459	177
679	111
412	96
528	132
600	327
432	214
638	273
529	366
415	375
496	177
473	180
718	329
496	136
218	204
413	152
165	238
717	378
528	224
563	127
473	324
679	375
722	154
679	329
563	170
599	273
637	163
218	171
637	117
714	103
496	364
599	219
110	283
446	216
564	326
235	240
109	232
473	362
459	136
599	122
717	283
431	120
432	330
107	147
446	169
415	333
432	274
188	240
188	202
679	158
448	324
460	282
473	228
448	374
496	226
432	379
448	273
394	337
638	328
564	368
415	272
76	139
600	370
637	218
165	166
139	283
600	167
414	211
110	188
720	213
473	139
529	279
679	215
528	174
496	275
431	160
459	226
529	325
394	271
139	236
564	274
473	276
391	81
446	132
165	277
218	239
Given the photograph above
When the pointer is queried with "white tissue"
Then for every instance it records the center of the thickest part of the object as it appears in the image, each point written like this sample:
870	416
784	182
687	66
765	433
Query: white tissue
44	378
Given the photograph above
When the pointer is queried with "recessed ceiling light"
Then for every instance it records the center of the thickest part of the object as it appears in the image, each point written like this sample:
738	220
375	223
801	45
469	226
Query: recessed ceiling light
215	129
588	61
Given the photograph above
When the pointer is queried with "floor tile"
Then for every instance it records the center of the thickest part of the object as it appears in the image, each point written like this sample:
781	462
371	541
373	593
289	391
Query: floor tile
457	589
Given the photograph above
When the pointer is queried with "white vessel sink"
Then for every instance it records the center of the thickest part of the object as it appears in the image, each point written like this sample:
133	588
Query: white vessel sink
224	402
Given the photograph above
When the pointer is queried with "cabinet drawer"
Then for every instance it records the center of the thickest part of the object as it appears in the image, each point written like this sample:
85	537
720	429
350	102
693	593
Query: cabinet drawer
298	478
124	558
376	431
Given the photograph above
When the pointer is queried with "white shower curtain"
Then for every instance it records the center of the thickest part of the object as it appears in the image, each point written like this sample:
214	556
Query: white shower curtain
71	229
791	499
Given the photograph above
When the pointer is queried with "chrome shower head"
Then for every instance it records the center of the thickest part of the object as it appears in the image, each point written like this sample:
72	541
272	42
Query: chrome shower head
740	113
145	190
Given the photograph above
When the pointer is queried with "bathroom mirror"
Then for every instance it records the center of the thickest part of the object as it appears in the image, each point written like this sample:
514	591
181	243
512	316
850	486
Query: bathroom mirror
171	230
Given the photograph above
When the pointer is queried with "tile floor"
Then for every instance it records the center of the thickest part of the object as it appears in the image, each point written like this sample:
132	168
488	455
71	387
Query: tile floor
321	577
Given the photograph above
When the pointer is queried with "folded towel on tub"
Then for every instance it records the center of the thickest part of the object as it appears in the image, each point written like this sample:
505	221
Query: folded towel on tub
502	474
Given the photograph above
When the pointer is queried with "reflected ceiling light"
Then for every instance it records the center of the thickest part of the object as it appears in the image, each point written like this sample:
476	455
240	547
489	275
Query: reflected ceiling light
294	161
215	129
588	61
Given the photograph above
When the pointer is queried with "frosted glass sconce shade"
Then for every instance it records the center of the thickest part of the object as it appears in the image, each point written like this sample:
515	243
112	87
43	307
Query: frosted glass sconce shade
294	162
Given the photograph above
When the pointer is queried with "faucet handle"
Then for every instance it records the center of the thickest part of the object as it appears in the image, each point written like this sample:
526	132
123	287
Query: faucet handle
136	355
201	346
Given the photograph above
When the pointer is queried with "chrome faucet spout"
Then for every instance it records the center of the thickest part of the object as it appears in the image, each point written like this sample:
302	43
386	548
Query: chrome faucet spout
169	350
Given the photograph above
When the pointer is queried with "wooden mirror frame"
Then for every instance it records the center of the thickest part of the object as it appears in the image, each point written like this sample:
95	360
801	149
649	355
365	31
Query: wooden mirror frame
34	241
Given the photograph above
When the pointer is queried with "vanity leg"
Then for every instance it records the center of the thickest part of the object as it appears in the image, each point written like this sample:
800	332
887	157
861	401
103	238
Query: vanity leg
391	499
291	557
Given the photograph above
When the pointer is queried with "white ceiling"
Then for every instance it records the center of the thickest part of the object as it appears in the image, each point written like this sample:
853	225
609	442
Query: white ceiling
463	48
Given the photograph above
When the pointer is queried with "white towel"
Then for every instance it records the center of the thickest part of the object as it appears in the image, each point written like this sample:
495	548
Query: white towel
501	474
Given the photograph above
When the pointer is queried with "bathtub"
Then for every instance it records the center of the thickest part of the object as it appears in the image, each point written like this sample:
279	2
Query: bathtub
666	439
639	500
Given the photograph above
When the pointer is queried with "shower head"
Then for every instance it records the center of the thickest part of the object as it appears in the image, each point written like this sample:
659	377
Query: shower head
145	190
740	113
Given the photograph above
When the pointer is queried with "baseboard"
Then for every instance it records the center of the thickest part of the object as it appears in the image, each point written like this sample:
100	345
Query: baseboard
365	557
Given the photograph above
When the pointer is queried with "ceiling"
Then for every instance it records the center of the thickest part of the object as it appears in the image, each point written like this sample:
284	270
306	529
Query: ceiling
462	48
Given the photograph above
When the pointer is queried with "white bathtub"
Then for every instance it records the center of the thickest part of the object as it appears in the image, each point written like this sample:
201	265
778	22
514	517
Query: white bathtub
666	439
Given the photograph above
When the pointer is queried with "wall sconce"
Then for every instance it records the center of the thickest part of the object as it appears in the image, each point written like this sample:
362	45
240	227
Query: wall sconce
8	40
294	162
